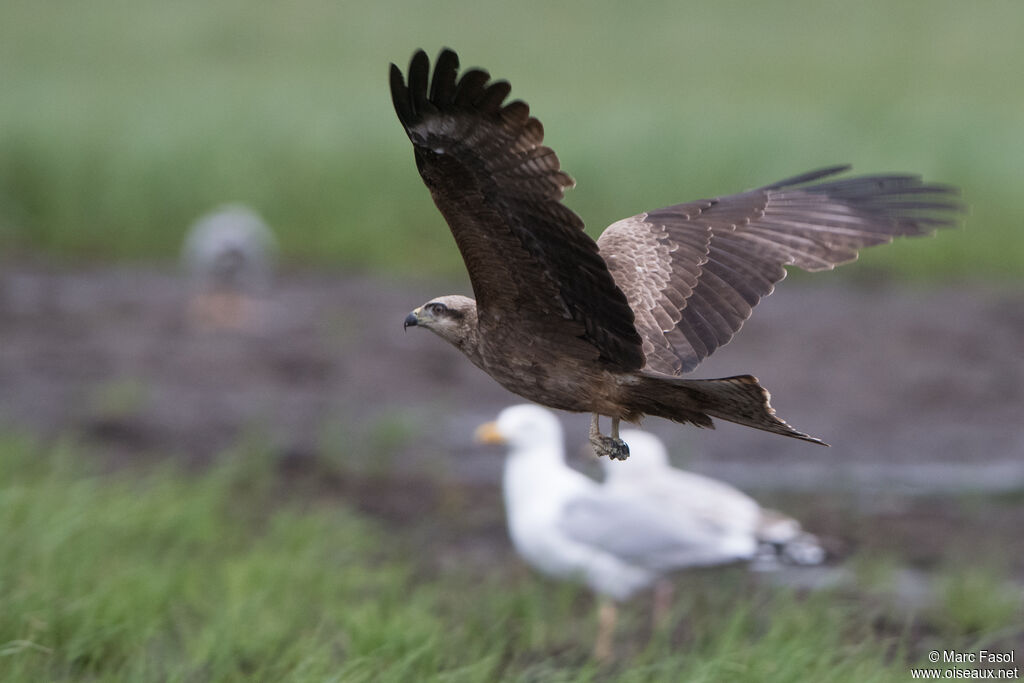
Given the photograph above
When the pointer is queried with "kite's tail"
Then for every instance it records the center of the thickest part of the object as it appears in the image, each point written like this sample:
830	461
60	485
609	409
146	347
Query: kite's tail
736	399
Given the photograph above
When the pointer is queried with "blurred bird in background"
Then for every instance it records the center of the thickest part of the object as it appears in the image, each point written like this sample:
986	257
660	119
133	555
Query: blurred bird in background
229	255
625	535
725	515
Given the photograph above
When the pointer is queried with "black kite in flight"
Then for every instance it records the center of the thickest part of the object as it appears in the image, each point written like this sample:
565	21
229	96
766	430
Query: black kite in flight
607	327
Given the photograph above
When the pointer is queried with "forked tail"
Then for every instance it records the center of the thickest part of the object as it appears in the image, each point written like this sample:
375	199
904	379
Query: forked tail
739	399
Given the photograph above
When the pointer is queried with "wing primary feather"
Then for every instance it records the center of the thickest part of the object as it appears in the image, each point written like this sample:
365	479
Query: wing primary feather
516	113
493	96
808	177
419	72
470	87
400	97
442	88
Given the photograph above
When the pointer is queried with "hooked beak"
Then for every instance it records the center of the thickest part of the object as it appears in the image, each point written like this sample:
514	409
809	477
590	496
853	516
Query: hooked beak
488	433
411	320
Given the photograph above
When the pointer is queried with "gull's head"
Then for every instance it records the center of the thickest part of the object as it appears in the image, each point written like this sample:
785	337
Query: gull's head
449	317
231	248
523	428
647	454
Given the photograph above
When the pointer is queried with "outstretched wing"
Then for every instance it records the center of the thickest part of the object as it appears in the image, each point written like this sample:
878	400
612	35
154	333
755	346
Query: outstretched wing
500	190
693	272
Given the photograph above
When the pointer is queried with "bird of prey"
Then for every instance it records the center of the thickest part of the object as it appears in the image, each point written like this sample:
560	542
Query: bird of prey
607	327
611	536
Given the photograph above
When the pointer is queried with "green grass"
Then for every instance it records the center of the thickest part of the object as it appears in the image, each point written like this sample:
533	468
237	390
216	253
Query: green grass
120	122
238	574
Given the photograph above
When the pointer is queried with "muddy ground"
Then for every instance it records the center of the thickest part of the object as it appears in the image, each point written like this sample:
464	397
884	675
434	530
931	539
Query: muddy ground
919	390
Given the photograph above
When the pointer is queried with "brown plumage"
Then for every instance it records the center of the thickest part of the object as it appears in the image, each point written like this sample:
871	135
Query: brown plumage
606	327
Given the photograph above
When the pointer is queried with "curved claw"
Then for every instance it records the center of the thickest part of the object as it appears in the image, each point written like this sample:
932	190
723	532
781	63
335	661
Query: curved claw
616	449
612	446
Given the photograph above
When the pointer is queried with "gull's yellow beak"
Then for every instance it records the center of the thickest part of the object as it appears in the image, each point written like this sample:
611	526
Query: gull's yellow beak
488	433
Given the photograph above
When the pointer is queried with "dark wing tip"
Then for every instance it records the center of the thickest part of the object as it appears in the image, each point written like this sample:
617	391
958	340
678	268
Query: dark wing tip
442	88
490	99
809	176
446	90
400	96
419	75
412	99
516	113
905	201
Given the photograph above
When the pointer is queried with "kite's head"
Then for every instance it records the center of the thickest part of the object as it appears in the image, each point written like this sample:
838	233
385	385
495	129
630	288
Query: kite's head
453	318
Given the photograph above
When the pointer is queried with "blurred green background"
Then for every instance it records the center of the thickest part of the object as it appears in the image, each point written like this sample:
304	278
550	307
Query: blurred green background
120	122
330	558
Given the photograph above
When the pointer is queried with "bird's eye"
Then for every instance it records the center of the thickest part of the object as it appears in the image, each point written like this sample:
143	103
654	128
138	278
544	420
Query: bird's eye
437	309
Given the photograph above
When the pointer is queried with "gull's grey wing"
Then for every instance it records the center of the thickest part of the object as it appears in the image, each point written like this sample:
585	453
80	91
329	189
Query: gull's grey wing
693	272
500	191
637	532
